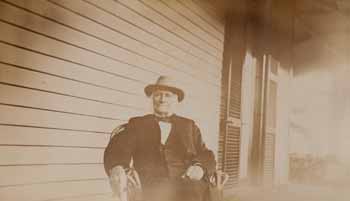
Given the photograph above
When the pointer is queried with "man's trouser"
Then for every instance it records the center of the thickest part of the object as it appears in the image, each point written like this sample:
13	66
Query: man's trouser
175	190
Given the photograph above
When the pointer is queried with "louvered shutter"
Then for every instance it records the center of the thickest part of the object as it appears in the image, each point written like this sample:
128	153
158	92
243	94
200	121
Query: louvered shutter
229	142
270	121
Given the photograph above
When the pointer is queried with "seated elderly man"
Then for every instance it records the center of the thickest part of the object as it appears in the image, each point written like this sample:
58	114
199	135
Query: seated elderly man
167	150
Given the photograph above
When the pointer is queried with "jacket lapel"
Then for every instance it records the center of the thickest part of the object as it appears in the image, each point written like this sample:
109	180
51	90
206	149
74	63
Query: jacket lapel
183	130
152	130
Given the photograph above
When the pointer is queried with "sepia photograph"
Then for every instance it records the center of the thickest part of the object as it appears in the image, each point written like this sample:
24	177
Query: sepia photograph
174	100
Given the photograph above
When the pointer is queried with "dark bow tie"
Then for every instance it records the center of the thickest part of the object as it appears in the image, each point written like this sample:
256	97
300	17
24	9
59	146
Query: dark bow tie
164	119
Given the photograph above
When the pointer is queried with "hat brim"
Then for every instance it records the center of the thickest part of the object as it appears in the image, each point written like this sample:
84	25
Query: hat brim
149	89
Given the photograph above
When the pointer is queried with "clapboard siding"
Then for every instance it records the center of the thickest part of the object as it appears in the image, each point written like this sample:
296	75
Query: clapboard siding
35	174
88	92
17	115
16	135
172	10
45	45
54	190
99	196
147	28
85	45
16	75
71	71
40	61
153	10
104	41
54	66
185	9
214	15
128	30
43	100
211	23
11	155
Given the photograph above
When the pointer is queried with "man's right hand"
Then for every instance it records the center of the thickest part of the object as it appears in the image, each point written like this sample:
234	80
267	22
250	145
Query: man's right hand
118	182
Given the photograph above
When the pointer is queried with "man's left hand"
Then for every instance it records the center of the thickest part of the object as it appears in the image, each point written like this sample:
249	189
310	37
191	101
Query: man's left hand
195	172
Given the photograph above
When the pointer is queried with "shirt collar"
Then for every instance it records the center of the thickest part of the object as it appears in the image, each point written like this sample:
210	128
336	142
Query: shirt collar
168	119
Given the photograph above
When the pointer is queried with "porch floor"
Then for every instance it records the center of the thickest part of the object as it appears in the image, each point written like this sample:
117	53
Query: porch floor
294	192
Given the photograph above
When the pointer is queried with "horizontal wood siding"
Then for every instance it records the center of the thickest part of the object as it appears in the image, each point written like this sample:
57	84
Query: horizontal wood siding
71	71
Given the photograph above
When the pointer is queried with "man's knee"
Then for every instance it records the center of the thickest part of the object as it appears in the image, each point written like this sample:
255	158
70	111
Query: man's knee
194	190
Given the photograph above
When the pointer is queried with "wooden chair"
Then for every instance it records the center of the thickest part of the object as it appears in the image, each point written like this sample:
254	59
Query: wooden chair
133	190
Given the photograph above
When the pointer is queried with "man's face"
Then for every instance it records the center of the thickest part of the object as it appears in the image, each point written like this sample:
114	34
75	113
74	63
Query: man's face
164	101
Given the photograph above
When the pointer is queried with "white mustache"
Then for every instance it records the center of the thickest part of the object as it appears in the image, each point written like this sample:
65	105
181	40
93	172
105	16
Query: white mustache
163	103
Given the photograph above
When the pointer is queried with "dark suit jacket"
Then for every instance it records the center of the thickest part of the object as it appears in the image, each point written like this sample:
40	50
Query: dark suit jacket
140	140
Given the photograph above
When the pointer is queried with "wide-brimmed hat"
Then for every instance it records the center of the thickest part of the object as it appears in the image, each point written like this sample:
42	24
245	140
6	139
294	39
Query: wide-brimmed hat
165	83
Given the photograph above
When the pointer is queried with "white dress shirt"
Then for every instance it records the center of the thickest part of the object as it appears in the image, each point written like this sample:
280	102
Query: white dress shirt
165	128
